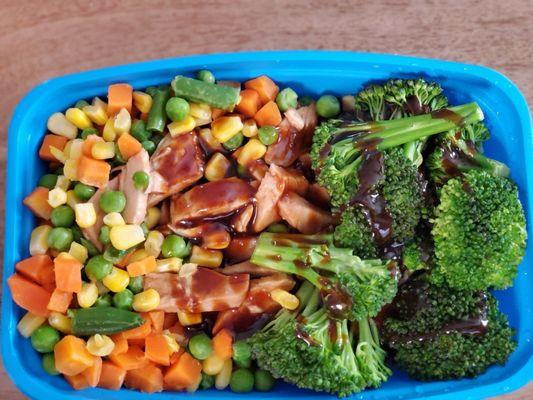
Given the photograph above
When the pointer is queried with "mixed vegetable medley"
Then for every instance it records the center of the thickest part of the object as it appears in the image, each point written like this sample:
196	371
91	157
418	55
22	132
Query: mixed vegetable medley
212	233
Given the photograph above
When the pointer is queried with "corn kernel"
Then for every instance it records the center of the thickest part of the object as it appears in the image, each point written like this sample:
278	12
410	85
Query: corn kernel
125	236
194	385
61	322
58	154
70	169
122	121
114	219
172	344
178	127
153	243
38	243
251	151
88	295
72	199
142	101
138	255
201	122
223	377
172	264
103	150
97	112
57	197
73	149
58	124
62	182
249	128
29	323
101	288
212	365
117	280
217	167
210	141
206	257
100	345
78	118
147	300
224	128
187	319
85	215
79	252
285	299
109	134
152	217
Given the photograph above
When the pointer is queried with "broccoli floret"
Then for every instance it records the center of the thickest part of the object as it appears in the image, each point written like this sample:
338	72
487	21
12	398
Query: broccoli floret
352	288
354	232
479	232
370	355
418	254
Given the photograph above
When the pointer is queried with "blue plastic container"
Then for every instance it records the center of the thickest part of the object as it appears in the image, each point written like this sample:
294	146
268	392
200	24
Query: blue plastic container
308	72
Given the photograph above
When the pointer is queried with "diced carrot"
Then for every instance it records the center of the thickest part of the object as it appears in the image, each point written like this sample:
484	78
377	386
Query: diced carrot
92	374
217	112
136	342
183	373
38	268
223	344
176	355
141	332
71	356
268	115
78	382
59	301
264	86
112	376
119	95
128	145
93	172
142	267
170	319
132	359
157	320
29	295
148	379
249	103
51	140
37	202
88	143
68	273
121	344
157	350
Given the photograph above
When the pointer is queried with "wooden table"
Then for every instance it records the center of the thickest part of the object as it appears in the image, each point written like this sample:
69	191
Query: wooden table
44	39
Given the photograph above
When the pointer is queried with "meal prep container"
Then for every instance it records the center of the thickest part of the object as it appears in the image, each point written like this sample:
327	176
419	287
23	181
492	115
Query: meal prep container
308	72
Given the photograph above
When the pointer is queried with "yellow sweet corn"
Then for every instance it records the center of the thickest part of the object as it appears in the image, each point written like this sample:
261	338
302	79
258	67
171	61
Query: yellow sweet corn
114	219
217	167
70	169
125	236
38	244
57	197
88	295
147	300
285	299
73	149
58	124
212	365
62	182
138	255
58	154
79	252
152	217
178	127
224	128
223	377
117	280
122	121
153	243
249	128
103	150
61	322
109	134
78	118
199	110
172	264
29	323
253	150
206	257
97	112
187	319
207	137
85	214
143	101
100	345
72	199
172	344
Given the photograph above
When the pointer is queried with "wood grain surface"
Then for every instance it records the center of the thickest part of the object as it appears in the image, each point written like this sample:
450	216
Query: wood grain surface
46	38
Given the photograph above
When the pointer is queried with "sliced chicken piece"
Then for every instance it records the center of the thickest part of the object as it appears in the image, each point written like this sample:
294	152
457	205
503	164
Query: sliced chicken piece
247	267
292	180
257	169
241	221
179	162
240	249
136	199
212	199
318	195
196	289
158	184
302	215
213	235
258	307
295	118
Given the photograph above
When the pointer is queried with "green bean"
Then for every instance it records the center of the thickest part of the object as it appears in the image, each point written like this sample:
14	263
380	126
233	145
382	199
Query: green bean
157	117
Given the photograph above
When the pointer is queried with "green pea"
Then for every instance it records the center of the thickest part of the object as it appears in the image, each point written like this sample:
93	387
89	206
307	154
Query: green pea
48	181
98	268
328	106
123	300
118	159
91	248
268	135
286	99
200	346
103	237
242	381
242	354
278	228
62	216
83	192
151	90
136	284
149	146
234	143
177	108
139	131
305	100
60	238
264	381
141	180
44	338
49	364
206	76
112	201
104	300
207	381
81	103
77	234
88	131
175	246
